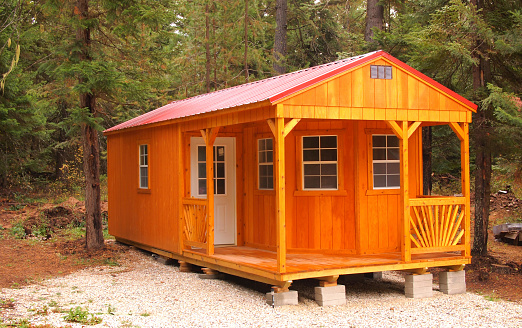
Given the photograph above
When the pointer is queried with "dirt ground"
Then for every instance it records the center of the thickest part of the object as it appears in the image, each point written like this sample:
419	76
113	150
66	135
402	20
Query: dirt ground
48	249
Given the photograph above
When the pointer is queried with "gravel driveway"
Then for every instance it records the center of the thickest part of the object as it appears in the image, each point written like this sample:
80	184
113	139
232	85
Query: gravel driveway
145	293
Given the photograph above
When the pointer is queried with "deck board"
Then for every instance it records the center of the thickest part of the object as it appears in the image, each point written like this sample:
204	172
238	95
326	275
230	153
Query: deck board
299	263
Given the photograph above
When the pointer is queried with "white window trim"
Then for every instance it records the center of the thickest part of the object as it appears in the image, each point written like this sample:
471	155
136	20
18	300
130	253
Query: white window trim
303	162
384	161
259	164
141	155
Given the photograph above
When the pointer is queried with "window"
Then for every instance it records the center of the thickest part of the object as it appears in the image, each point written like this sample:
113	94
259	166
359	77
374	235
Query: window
144	167
219	170
386	162
265	154
320	162
381	72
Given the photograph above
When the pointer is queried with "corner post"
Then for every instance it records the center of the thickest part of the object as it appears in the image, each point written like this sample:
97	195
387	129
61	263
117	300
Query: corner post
405	195
181	191
280	193
464	160
209	135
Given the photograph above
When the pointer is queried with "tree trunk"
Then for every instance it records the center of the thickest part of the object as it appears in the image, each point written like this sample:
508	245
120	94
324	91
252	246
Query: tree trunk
374	18
280	37
246	41
91	146
426	160
207	47
482	138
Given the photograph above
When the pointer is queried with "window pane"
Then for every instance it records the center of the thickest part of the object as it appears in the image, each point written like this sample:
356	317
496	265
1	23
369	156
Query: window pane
380	72
202	186
269	157
329	169
220	153
270	171
312	182
379	154
393	168
328	155
262	157
329	182
142	160
373	71
388	73
220	170
310	142
202	156
220	186
393	141
393	154
310	155
144	182
261	144
329	142
270	183
146	159
262	170
202	170
394	181
379	181
312	169
379	168
379	141
262	182
268	143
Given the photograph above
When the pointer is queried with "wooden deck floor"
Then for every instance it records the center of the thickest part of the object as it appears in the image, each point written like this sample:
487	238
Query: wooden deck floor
305	263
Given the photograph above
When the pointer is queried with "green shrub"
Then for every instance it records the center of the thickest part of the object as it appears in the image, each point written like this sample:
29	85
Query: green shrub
81	316
18	231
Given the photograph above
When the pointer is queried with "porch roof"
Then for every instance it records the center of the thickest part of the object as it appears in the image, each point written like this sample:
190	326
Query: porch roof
272	89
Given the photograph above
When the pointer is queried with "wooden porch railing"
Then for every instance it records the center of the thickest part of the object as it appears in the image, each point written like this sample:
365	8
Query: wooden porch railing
437	224
195	222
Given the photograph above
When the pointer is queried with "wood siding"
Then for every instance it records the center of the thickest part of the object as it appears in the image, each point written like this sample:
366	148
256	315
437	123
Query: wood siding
355	96
150	216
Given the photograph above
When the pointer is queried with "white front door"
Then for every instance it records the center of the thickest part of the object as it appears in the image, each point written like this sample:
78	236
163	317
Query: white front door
224	184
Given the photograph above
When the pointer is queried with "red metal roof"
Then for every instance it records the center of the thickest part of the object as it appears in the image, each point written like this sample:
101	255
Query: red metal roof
271	89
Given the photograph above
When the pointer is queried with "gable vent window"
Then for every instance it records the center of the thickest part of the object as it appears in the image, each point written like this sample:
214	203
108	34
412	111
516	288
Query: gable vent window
381	72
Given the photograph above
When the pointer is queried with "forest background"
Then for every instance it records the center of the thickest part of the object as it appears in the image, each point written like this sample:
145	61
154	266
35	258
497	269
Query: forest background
70	69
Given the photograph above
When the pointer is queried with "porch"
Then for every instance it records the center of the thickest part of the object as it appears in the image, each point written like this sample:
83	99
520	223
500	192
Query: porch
261	265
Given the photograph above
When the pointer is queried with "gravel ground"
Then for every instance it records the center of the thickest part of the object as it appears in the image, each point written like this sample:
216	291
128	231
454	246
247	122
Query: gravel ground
145	293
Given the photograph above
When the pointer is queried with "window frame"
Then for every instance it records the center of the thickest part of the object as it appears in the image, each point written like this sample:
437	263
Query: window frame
259	164
341	153
371	161
215	149
140	165
385	70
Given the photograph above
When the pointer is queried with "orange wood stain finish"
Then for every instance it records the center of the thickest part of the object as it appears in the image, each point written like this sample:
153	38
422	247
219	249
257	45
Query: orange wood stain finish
355	222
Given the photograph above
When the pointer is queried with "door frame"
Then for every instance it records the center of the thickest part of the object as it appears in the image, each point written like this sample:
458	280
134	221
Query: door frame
231	177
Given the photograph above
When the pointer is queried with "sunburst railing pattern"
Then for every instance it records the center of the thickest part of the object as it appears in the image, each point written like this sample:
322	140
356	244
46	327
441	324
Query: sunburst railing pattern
195	222
437	224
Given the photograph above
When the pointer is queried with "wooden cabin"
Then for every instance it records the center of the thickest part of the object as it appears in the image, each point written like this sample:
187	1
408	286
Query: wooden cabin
311	174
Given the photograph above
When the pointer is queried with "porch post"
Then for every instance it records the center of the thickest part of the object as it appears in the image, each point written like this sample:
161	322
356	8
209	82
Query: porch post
209	135
405	194
464	162
464	146
280	193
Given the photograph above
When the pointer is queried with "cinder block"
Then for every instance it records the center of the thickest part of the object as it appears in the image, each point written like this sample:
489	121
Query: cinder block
330	290
334	295
419	284
453	290
279	299
452	282
419	277
332	302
